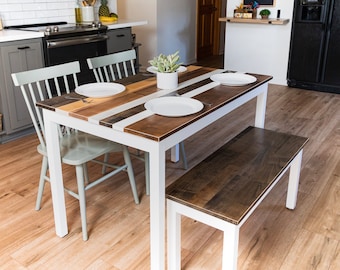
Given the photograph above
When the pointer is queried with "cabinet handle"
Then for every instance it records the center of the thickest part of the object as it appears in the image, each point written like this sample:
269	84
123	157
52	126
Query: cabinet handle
121	35
24	48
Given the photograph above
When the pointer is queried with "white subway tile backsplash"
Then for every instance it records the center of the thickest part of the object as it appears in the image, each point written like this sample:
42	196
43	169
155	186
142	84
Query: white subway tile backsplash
22	14
35	7
14	12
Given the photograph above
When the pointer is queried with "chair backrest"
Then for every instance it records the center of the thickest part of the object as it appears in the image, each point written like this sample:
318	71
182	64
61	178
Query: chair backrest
113	66
39	84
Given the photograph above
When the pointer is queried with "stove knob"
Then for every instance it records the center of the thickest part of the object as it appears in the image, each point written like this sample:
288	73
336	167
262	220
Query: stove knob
94	25
48	29
99	24
55	28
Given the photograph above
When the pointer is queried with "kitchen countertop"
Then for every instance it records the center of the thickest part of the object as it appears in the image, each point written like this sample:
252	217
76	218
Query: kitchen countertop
121	23
15	35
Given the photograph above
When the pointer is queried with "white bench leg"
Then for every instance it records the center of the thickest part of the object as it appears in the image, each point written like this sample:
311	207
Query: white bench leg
174	237
293	184
230	238
261	102
230	247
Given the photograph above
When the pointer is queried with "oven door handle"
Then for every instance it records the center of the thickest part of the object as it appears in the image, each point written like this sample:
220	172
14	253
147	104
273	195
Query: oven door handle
54	43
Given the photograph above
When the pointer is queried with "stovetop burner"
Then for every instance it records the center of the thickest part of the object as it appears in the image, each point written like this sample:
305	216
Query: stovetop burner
61	28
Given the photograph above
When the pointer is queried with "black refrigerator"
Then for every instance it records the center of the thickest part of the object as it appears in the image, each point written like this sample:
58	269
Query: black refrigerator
314	57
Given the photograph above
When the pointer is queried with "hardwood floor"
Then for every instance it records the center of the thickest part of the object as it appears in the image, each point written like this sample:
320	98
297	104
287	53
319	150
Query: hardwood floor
272	238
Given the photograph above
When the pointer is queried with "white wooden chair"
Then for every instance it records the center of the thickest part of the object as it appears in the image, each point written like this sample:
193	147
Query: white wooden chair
113	66
77	148
120	65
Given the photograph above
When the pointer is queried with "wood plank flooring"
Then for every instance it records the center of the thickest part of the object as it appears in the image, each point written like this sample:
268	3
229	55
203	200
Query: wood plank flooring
272	238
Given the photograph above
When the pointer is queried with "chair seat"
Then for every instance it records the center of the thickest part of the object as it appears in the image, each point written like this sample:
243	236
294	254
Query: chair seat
79	148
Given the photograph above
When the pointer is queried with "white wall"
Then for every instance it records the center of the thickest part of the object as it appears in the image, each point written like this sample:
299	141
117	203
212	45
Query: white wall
146	34
259	48
171	26
15	12
176	28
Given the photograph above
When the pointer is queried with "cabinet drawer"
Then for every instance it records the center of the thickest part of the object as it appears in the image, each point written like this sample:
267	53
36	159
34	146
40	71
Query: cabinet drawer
119	40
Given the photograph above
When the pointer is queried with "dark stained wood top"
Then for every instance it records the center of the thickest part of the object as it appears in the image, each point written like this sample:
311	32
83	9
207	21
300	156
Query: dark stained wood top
231	180
217	96
154	127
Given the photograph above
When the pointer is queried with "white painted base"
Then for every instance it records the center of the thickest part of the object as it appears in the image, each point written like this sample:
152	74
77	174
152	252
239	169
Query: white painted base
230	230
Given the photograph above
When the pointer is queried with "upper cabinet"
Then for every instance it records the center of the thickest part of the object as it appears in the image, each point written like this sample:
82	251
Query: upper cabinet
16	56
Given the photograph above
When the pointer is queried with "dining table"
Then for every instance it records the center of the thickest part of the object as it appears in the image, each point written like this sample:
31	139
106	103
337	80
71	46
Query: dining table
123	118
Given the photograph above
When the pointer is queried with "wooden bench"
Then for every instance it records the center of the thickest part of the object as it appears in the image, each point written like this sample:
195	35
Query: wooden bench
223	190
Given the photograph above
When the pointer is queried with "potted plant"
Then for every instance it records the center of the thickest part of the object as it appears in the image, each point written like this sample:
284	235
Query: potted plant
166	67
265	13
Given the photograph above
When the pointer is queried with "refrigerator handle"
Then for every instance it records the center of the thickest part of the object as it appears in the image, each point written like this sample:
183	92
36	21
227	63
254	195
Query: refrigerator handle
330	14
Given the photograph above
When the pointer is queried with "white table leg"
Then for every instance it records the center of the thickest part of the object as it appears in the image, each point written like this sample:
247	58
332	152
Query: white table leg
175	153
261	102
157	208
56	177
230	247
174	236
293	184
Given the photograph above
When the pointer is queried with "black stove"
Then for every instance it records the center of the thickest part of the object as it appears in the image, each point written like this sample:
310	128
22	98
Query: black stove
64	42
62	28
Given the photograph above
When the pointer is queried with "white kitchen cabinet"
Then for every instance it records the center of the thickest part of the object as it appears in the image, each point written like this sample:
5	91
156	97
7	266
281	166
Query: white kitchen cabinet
16	56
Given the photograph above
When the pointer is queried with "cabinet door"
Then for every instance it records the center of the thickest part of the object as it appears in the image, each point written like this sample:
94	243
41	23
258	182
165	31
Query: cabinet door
119	40
16	57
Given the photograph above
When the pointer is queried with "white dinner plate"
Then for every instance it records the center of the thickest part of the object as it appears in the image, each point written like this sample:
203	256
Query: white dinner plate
174	106
99	90
152	69
233	79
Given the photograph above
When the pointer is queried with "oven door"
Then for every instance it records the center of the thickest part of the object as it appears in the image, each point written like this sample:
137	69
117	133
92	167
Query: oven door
78	48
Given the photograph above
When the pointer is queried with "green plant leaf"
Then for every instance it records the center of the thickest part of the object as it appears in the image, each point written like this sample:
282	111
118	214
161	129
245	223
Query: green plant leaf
166	63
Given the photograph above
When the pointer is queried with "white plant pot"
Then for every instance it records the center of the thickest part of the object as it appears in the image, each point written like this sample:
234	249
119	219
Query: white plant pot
167	81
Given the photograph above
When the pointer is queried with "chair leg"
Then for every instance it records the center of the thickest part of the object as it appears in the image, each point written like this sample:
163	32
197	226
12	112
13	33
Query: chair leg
86	175
43	172
184	157
106	159
131	175
147	172
82	199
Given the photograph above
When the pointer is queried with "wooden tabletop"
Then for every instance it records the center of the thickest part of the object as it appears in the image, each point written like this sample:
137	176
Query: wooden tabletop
112	110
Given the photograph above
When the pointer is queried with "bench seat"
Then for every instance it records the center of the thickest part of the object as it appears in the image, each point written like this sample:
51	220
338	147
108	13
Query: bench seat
224	189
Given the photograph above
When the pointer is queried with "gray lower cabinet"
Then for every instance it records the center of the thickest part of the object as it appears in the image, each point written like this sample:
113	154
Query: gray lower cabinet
119	40
16	56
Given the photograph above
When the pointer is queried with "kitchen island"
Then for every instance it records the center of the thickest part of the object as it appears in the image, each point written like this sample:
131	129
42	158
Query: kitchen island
256	45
